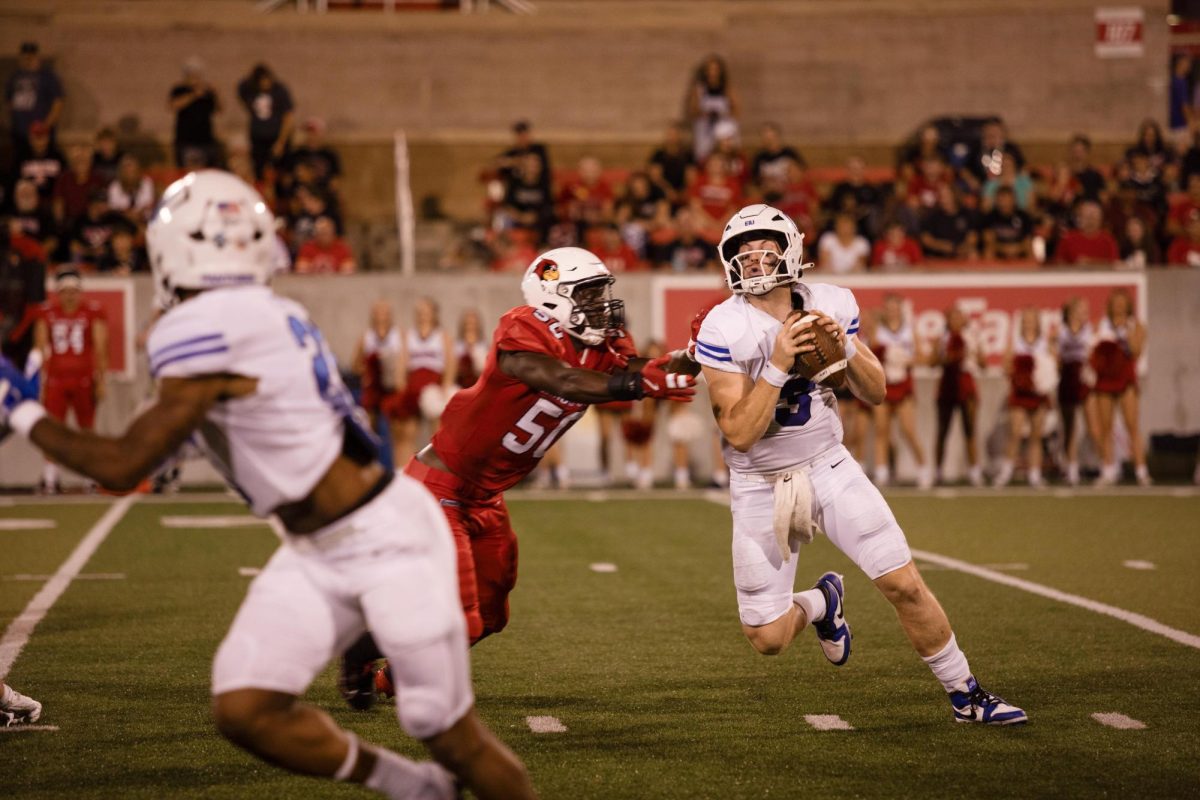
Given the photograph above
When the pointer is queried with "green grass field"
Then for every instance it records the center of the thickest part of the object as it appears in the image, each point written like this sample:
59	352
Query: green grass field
646	666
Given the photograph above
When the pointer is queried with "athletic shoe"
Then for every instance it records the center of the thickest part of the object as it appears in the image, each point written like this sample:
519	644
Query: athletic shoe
975	476
356	682
20	710
832	630
977	704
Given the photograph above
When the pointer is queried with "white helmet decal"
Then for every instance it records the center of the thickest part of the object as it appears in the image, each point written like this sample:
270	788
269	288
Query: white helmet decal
755	223
211	229
552	281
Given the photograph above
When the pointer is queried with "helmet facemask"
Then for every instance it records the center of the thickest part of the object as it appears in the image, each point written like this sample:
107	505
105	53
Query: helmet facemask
595	313
769	266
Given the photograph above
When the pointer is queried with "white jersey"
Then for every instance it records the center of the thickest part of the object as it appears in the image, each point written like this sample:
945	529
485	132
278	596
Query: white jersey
1038	348
427	353
899	350
737	337
274	444
387	349
1074	346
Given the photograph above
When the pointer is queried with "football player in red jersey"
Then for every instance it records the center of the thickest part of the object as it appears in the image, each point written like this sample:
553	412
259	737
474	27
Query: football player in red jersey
550	359
72	335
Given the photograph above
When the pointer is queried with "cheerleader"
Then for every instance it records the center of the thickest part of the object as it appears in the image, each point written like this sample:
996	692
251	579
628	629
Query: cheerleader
959	356
1120	341
896	347
427	362
471	350
637	429
1075	338
1029	353
377	360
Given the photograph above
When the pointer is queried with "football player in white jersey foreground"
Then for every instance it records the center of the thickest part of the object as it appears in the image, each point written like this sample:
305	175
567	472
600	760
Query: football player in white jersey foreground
790	476
249	374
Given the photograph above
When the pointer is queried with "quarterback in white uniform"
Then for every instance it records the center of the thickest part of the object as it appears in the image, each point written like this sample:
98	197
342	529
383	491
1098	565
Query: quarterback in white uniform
790	476
247	376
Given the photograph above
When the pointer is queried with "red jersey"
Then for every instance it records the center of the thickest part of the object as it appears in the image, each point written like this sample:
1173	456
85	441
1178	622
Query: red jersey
1077	245
1183	252
494	433
72	352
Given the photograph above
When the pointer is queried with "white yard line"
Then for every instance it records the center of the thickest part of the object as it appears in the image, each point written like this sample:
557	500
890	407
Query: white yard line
230	521
828	722
545	725
1137	620
27	524
17	635
249	572
1114	720
23	727
1138	564
83	576
602	566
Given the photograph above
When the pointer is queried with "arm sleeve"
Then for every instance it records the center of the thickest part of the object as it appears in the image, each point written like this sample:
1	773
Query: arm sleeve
184	345
713	349
848	314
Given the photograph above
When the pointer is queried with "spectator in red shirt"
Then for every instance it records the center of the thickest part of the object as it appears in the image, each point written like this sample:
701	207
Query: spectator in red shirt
895	251
714	197
1183	209
795	196
729	148
587	200
326	251
616	254
928	180
1090	243
75	185
1185	250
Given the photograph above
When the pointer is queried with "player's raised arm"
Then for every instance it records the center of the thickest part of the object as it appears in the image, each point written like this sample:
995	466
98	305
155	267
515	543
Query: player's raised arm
547	374
118	463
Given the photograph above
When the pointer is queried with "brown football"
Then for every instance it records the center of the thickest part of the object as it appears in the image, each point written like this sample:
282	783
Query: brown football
827	364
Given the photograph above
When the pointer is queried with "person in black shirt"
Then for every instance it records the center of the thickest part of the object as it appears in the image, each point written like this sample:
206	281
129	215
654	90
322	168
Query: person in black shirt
948	230
1146	182
194	102
527	199
34	94
32	218
42	164
1007	230
774	157
508	162
671	164
22	291
862	200
1091	183
320	158
107	155
271	117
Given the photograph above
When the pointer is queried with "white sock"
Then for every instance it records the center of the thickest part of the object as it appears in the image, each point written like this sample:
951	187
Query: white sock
50	474
645	479
1035	475
812	603
720	478
882	475
1142	471
401	779
631	470
563	475
343	772
682	478
950	666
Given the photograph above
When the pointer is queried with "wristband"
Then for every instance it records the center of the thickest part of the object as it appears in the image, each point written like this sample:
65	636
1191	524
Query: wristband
850	348
626	386
27	414
774	375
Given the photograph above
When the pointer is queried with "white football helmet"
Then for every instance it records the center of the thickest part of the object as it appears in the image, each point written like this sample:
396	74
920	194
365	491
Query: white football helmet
754	223
573	286
211	229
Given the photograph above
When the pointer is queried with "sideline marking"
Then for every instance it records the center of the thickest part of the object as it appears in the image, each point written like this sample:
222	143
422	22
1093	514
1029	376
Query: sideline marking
1015	566
1137	620
248	572
26	524
1114	720
545	725
86	576
602	566
24	727
233	521
1138	564
17	635
828	722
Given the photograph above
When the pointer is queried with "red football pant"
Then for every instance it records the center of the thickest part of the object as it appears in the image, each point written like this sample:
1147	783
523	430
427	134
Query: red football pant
486	545
77	394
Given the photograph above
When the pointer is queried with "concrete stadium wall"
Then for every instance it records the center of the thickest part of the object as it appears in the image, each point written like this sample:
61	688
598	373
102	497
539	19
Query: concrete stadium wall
1171	392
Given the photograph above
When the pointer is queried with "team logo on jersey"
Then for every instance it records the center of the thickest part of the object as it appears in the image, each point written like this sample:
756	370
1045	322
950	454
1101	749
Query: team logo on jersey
547	270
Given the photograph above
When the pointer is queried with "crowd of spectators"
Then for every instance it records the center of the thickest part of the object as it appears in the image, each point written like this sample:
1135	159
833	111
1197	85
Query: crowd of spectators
87	203
982	204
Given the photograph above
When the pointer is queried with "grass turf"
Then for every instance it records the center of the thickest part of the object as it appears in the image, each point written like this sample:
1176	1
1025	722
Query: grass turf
647	667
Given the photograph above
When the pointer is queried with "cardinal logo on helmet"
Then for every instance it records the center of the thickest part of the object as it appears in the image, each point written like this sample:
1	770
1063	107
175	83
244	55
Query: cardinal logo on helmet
547	270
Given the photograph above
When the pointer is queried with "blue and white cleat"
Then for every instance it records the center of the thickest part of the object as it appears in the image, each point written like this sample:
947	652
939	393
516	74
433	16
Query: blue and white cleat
832	631
977	704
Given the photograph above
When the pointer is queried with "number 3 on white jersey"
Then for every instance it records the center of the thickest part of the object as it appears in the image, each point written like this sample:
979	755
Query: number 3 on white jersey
537	430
